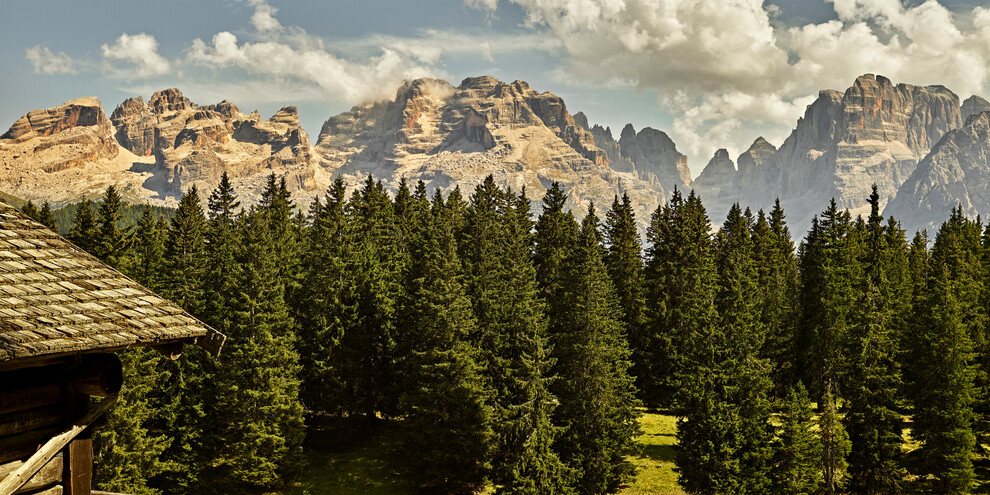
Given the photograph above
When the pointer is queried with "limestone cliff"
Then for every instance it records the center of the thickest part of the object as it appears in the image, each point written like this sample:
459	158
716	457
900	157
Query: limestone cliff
956	172
58	138
454	136
195	145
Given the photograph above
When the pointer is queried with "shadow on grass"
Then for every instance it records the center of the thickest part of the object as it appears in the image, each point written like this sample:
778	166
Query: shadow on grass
660	453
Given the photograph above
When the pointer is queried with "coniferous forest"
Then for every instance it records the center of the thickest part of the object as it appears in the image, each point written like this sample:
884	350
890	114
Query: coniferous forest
518	352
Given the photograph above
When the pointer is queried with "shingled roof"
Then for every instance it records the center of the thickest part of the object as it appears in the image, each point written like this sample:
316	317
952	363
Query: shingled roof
56	300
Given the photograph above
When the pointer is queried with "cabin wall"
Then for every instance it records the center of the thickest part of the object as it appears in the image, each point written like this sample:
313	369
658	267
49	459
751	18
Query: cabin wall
37	404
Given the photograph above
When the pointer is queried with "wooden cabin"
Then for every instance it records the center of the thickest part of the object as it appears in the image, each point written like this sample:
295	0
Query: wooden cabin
63	316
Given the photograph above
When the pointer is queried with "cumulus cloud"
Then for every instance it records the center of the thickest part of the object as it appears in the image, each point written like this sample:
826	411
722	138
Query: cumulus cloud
46	62
140	51
721	65
264	17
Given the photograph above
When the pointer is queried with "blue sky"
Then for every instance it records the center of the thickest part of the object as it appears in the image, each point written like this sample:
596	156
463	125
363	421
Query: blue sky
711	73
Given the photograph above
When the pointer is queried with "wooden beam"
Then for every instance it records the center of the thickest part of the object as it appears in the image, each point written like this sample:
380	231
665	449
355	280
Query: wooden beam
16	480
55	490
79	468
212	342
25	444
48	475
92	374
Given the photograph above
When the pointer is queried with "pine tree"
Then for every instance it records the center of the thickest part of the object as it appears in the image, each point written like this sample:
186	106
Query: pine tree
680	280
777	304
127	453
111	243
447	420
942	352
83	233
46	217
834	444
556	233
149	251
624	261
257	422
30	209
185	254
597	394
797	448
873	424
724	433
830	268
328	305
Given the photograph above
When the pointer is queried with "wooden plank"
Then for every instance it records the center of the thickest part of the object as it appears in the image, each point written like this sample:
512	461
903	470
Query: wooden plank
92	374
55	490
15	480
48	475
32	419
22	399
79	469
25	444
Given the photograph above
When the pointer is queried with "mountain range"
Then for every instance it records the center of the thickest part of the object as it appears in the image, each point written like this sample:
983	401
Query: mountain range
925	151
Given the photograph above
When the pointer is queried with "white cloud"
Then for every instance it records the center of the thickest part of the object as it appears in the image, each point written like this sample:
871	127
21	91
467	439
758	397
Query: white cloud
723	65
46	62
263	18
141	51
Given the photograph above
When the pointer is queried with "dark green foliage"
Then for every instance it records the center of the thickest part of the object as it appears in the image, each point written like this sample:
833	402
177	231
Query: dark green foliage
873	381
256	420
185	254
948	314
624	261
30	209
127	453
680	293
46	217
149	251
84	228
597	394
448	420
834	445
724	434
797	451
777	289
830	271
111	243
556	233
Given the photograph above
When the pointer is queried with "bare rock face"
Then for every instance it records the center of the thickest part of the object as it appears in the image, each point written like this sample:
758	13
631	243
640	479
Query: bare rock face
874	132
195	145
454	136
751	162
654	154
59	138
718	182
955	172
972	106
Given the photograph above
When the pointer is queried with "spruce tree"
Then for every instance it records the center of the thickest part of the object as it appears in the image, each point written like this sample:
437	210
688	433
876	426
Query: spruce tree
447	420
30	209
83	233
680	280
624	261
328	305
797	451
185	254
724	432
46	217
111	243
255	439
872	387
555	235
942	391
597	394
777	287
834	445
149	251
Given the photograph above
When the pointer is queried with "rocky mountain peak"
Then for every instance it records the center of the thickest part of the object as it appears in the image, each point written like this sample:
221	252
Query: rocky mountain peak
481	83
751	160
169	100
582	121
655	155
287	115
58	138
972	106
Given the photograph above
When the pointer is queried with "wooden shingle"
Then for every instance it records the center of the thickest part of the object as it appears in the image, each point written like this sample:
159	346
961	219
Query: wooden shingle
56	299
